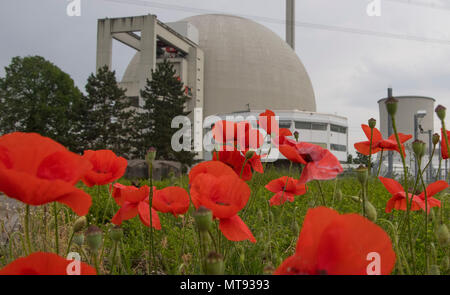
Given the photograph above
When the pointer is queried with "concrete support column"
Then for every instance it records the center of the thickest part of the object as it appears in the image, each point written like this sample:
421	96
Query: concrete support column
104	43
148	51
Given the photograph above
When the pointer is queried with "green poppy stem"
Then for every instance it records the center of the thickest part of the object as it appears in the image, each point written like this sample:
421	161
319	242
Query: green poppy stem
27	230
55	213
380	162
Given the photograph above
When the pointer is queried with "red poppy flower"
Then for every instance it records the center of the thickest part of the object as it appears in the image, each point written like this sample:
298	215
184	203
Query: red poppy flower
225	131
444	151
134	202
173	200
398	200
37	170
288	148
248	137
41	263
378	143
285	192
334	244
214	168
106	167
225	194
117	189
236	161
268	122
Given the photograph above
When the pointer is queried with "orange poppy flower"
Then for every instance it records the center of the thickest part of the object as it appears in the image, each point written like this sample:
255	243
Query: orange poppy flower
41	263
135	202
285	192
398	200
37	170
225	194
335	244
444	151
173	200
378	143
236	160
106	167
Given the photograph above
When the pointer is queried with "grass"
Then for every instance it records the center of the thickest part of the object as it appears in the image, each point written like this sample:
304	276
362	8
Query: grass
276	229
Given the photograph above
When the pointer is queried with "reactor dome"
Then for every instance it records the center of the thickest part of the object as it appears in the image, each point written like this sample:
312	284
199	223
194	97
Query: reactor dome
246	65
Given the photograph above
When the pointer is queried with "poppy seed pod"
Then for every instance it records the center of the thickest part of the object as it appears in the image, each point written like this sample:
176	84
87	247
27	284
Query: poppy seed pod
296	135
362	173
435	139
371	212
116	233
79	224
78	238
214	264
203	218
94	237
249	155
391	106
151	155
372	123
440	112
443	235
418	148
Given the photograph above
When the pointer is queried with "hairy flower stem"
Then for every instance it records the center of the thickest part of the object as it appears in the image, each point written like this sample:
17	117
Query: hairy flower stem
151	250
284	190
379	163
114	257
69	243
363	196
55	212
426	216
370	152
324	203
405	186
27	229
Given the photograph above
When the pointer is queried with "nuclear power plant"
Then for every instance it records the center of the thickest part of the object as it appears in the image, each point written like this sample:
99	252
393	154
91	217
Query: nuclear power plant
230	66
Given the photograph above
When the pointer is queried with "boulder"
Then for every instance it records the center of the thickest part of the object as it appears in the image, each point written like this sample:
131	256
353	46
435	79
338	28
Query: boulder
138	169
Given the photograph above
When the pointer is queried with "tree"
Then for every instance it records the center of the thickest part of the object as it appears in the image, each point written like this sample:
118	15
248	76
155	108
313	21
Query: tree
164	98
362	159
108	119
37	96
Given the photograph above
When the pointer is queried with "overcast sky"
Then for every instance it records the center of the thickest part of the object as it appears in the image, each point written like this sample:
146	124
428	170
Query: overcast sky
349	71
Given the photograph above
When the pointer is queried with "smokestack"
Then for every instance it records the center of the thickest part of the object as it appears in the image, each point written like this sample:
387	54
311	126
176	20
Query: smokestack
290	23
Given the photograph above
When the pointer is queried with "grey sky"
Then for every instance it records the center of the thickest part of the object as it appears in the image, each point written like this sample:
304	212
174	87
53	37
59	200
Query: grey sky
349	72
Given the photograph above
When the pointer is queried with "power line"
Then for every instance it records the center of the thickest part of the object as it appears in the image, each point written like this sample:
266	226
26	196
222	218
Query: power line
297	23
421	4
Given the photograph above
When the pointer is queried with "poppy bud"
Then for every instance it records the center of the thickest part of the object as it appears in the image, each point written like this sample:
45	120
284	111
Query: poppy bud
79	224
355	199
362	173
391	106
242	257
268	269
214	264
116	233
203	218
78	238
445	263
151	155
371	212
296	135
94	237
435	139
440	111
295	228
434	270
372	123
339	195
249	155
443	235
418	148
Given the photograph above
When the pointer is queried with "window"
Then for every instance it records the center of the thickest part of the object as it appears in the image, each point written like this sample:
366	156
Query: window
302	125
321	144
285	124
319	126
338	147
337	128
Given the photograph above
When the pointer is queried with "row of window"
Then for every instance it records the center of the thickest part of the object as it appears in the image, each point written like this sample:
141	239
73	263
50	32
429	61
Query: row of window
313	126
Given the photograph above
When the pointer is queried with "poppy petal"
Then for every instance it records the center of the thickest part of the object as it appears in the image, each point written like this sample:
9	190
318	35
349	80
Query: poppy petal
144	215
391	185
234	229
127	211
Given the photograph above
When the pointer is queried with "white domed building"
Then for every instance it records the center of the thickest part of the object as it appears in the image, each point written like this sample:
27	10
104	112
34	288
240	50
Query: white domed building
233	68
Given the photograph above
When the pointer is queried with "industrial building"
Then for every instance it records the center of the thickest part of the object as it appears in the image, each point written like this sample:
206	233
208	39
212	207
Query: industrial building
230	66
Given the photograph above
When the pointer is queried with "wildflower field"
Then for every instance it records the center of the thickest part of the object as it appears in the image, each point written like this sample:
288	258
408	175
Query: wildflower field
232	215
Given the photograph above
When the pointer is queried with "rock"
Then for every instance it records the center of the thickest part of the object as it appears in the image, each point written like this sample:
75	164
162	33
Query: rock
138	169
9	217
